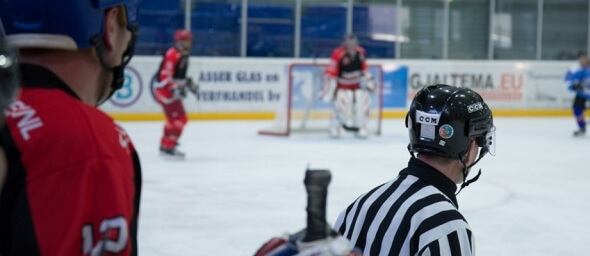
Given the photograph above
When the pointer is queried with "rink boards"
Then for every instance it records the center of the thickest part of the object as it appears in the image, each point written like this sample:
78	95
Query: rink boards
254	88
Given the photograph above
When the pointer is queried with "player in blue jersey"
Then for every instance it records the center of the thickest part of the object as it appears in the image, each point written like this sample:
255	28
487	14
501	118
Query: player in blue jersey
578	81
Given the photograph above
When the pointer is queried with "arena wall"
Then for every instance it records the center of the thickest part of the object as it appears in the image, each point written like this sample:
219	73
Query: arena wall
254	88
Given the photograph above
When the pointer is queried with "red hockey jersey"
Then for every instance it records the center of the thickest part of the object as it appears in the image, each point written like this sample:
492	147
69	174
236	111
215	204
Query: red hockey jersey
174	66
74	179
347	69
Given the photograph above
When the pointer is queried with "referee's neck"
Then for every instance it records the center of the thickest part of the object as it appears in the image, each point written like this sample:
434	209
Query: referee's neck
448	167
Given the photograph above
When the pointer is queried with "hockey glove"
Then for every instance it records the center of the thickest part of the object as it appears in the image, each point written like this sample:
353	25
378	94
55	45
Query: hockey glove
576	86
370	83
178	93
288	245
318	239
328	90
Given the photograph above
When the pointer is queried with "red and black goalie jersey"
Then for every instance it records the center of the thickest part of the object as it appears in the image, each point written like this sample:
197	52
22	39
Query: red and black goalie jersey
347	69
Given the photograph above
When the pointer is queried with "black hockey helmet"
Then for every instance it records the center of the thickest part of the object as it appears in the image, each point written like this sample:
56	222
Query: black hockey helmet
443	119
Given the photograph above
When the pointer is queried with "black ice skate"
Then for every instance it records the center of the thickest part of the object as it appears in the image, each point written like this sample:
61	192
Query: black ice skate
171	153
579	133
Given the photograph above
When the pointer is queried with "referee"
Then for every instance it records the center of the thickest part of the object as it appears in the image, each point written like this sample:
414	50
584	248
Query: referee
450	129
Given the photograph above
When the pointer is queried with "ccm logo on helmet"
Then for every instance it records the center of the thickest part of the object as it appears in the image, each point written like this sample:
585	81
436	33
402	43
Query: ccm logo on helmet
474	107
427	118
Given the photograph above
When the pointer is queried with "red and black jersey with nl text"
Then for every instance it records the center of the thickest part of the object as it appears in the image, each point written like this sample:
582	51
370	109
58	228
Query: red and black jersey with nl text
347	69
174	66
74	179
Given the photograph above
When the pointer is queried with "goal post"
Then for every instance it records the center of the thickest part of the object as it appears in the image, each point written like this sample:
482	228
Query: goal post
300	109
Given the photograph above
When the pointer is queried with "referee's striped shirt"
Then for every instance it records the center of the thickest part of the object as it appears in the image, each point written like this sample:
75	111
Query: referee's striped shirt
414	214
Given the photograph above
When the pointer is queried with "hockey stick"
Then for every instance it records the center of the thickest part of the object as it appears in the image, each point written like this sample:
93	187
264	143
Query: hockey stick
316	184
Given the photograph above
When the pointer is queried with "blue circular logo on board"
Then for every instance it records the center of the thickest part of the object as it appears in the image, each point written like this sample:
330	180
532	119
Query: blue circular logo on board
131	90
446	131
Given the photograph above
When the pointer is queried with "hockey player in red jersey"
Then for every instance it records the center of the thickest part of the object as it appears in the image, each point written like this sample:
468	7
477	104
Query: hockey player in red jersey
342	87
73	178
171	89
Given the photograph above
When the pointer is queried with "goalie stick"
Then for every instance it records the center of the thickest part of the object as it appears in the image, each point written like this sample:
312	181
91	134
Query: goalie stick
343	124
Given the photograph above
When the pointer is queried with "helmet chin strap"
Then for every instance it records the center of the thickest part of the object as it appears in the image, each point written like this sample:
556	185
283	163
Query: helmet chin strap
118	71
464	184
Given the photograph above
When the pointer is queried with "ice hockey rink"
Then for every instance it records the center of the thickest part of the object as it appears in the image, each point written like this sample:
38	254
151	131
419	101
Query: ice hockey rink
236	189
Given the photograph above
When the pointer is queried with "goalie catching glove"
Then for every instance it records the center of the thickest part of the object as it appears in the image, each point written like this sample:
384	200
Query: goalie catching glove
370	83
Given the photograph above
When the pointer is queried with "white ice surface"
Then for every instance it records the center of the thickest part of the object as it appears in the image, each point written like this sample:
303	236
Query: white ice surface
236	189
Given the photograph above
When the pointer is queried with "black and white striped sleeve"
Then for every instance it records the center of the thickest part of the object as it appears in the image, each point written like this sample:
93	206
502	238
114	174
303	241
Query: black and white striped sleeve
456	243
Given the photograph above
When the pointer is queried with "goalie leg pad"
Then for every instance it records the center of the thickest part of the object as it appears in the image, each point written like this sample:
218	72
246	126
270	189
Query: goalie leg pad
343	106
362	108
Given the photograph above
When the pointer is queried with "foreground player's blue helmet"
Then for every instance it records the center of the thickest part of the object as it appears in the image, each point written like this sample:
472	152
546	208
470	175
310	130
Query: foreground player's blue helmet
60	24
443	119
68	25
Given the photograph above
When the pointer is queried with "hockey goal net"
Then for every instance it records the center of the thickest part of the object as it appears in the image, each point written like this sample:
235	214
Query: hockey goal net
300	110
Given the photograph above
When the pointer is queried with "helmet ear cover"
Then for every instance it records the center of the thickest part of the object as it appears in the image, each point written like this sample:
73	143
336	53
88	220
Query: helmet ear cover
478	127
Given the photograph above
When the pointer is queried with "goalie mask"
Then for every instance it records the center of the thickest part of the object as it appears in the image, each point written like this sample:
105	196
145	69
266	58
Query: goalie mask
443	119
